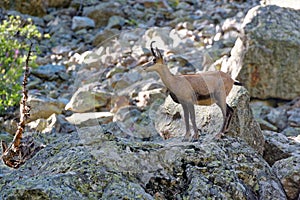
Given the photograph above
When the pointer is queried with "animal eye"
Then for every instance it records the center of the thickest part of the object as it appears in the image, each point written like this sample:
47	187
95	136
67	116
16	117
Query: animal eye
154	59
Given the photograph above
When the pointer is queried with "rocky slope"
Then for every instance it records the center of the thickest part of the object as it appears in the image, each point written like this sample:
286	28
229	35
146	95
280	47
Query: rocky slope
96	164
110	130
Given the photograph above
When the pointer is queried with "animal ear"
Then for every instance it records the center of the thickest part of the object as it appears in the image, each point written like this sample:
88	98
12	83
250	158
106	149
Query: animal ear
158	52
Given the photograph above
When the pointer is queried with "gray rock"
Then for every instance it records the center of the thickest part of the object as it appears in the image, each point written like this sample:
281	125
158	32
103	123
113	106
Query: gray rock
58	124
146	98
278	146
161	35
30	8
143	85
291	131
79	23
43	107
288	171
50	72
102	35
102	12
61	50
132	191
114	71
107	55
88	98
90	118
278	117
118	102
135	124
294	117
259	58
87	76
58	3
169	119
6	137
243	123
260	109
265	125
120	81
153	3
127	113
4	170
95	164
10	125
38	125
115	22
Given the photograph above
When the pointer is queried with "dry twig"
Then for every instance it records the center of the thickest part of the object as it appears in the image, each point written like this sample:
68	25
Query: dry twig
15	154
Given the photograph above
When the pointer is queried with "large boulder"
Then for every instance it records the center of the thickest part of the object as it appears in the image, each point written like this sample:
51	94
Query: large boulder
266	56
102	12
288	171
54	124
278	147
90	118
51	72
43	107
131	122
95	164
26	7
88	98
169	119
58	3
79	23
33	7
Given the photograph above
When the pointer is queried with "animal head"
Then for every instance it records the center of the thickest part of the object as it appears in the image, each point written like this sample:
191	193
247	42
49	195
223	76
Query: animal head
156	63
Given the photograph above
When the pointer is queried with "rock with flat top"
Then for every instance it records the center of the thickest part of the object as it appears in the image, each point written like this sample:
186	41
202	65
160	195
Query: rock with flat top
88	98
90	118
102	12
169	119
51	72
79	23
44	107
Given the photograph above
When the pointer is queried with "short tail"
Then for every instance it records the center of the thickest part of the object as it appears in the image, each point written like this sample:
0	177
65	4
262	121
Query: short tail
237	83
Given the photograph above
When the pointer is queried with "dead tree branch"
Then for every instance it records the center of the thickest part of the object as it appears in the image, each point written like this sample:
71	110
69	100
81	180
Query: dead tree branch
12	155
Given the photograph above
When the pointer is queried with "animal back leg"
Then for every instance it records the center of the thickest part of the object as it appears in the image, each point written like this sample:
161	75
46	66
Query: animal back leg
227	120
229	113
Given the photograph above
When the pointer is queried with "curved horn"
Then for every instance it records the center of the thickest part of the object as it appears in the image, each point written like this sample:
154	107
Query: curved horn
158	52
152	50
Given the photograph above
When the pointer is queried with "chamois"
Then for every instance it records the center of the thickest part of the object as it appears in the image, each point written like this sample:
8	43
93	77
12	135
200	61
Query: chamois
205	88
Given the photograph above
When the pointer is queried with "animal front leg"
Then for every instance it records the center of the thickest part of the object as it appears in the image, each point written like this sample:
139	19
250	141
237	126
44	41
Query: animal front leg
191	109
186	120
221	102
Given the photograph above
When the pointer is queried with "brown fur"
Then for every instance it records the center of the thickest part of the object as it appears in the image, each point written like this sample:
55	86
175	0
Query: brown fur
205	88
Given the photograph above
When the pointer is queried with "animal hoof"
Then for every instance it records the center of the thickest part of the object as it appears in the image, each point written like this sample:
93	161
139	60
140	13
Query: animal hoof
185	139
194	140
219	136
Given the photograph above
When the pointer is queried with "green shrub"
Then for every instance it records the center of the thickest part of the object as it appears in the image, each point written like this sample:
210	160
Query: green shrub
15	37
